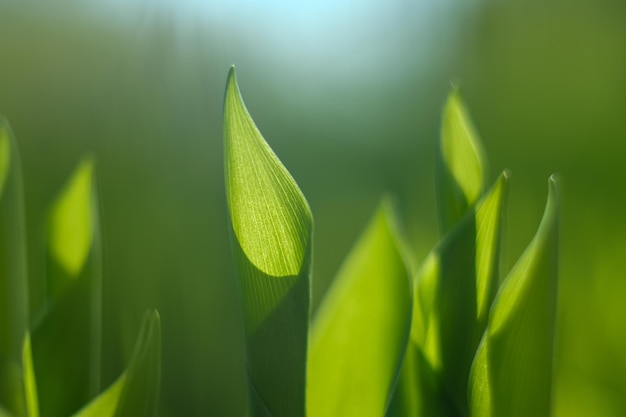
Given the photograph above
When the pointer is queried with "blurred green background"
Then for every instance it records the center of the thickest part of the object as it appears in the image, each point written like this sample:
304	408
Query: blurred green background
349	94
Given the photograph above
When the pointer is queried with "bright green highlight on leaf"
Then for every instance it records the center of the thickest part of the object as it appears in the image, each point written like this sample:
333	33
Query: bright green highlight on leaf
106	403
30	382
270	216
453	291
272	226
5	156
461	164
359	336
71	220
520	337
136	392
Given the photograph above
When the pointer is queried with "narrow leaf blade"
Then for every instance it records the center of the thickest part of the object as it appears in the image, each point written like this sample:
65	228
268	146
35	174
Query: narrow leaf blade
105	404
360	334
455	287
521	328
272	225
13	276
135	393
461	164
140	395
520	335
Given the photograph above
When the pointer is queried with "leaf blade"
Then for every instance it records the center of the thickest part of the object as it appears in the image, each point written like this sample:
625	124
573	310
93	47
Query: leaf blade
461	163
68	333
271	226
13	276
359	335
454	288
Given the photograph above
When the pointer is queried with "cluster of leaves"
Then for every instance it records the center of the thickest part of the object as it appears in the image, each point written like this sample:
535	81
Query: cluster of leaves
50	365
449	337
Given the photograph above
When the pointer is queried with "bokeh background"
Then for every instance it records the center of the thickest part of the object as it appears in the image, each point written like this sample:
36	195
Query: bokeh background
349	95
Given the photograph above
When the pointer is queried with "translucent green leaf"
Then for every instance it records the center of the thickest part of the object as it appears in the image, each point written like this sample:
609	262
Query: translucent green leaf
461	165
360	333
70	235
136	392
453	290
13	276
105	404
67	334
272	225
512	373
30	383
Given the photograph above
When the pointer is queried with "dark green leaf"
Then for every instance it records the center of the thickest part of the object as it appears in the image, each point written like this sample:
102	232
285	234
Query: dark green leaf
13	277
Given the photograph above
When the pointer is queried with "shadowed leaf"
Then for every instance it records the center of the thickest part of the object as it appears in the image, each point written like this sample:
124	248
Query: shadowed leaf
453	291
13	277
512	373
271	225
67	334
136	392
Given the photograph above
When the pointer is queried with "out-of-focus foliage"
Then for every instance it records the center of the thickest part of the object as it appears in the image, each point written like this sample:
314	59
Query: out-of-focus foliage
59	370
350	95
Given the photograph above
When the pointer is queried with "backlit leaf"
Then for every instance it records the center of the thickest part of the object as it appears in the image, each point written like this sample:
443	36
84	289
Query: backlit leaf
461	164
30	383
271	225
13	277
68	332
136	392
512	374
359	335
454	289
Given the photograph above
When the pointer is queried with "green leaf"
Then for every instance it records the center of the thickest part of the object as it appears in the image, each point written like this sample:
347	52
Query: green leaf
71	227
140	396
30	383
272	226
68	332
13	276
461	164
136	392
453	291
512	373
105	404
360	333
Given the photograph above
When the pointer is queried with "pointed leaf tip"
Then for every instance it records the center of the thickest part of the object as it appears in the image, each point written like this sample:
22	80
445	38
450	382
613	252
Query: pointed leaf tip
270	216
520	335
461	164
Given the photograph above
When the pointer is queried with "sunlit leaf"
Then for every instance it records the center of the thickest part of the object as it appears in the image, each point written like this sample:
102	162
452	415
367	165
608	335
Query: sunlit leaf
70	235
454	289
271	224
30	383
136	392
461	165
105	404
13	277
512	373
67	334
360	333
